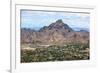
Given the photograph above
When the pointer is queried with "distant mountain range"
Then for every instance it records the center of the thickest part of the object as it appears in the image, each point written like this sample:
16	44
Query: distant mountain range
56	33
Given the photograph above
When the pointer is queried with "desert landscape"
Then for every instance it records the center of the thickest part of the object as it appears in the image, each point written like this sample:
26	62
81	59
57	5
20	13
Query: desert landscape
55	42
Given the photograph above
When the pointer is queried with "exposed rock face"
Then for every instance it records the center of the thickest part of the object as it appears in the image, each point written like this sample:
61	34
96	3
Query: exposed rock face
58	25
56	33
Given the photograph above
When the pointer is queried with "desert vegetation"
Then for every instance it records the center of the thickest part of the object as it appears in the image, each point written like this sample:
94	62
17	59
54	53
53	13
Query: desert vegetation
55	42
71	51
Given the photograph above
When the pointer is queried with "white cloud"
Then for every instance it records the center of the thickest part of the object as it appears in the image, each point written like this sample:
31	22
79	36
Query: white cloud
40	18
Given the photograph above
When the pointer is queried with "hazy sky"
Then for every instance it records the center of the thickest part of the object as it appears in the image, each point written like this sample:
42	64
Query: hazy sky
38	19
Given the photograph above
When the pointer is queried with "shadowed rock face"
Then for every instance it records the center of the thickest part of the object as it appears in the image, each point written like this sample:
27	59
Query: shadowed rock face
56	33
58	25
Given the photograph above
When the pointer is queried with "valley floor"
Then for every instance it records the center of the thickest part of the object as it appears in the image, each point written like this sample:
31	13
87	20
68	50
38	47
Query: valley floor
66	52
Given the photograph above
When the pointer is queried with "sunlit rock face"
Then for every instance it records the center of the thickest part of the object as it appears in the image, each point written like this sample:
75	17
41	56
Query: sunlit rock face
56	33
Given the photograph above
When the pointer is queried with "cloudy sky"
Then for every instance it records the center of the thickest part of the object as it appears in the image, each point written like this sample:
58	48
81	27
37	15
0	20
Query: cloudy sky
38	19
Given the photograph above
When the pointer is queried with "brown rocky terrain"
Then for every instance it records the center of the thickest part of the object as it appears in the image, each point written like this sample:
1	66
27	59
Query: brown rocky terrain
56	33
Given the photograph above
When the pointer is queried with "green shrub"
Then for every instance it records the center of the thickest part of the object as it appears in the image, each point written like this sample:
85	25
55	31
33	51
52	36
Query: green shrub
74	51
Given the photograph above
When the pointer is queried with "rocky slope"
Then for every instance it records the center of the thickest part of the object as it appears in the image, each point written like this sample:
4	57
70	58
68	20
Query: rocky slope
56	33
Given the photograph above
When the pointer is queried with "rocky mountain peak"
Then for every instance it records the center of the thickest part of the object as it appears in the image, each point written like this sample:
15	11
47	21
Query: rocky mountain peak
56	32
59	24
59	21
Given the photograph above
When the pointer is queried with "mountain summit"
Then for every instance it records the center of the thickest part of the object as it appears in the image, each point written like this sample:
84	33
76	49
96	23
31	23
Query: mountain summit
57	32
58	25
59	21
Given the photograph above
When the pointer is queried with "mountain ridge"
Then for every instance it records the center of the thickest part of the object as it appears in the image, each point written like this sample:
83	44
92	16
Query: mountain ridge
56	33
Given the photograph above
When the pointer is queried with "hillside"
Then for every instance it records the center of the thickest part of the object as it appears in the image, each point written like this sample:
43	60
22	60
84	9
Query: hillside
56	42
56	33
